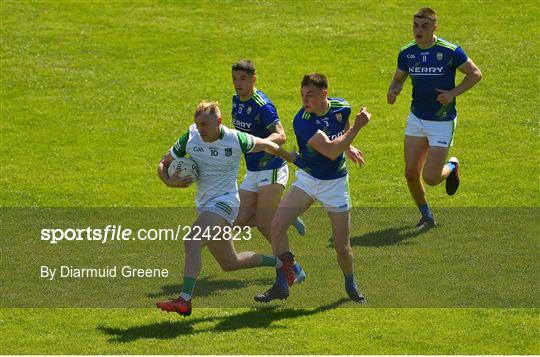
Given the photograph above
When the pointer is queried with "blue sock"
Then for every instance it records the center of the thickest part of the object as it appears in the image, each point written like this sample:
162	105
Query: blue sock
281	280
349	283
452	166
426	212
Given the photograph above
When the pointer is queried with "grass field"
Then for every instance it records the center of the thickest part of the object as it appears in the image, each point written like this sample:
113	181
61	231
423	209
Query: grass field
93	93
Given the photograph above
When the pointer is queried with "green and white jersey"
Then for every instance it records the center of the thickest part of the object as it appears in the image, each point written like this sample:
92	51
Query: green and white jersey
218	161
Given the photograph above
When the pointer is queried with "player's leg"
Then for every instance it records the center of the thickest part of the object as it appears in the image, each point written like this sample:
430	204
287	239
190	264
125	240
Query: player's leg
248	200
341	223
246	212
225	254
268	199
295	202
437	169
415	150
193	244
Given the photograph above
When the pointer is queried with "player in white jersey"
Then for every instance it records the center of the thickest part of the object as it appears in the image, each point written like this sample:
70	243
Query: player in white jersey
217	151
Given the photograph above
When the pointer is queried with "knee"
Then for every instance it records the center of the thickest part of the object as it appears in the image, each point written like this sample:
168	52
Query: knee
228	266
430	179
412	174
241	221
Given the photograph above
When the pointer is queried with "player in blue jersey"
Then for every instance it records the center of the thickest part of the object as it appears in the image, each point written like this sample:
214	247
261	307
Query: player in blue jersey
431	62
323	134
267	175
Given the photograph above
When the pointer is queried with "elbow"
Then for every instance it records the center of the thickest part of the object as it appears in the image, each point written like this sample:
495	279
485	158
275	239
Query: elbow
478	75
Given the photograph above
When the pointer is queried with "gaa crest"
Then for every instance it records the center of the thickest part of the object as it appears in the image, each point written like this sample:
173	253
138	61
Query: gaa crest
339	117
439	56
248	110
228	151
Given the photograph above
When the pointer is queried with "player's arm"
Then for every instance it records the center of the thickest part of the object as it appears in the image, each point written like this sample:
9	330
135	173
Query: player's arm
270	119
163	174
396	85
278	133
273	148
353	153
178	150
333	148
472	76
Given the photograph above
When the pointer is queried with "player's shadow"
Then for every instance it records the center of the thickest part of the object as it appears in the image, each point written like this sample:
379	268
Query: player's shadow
255	318
265	316
386	237
207	286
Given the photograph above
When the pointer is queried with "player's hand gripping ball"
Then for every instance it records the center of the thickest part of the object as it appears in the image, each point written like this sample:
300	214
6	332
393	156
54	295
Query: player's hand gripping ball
184	167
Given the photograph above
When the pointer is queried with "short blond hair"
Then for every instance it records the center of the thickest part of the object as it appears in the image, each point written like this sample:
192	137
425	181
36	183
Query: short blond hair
208	107
426	13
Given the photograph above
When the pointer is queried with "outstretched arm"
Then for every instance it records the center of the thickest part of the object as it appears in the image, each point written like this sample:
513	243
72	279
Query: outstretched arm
273	148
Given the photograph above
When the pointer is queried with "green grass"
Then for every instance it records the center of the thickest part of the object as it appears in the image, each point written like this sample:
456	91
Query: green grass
93	93
283	331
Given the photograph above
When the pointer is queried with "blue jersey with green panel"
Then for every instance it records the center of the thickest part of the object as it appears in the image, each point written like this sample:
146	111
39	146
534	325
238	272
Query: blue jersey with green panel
333	125
430	69
255	116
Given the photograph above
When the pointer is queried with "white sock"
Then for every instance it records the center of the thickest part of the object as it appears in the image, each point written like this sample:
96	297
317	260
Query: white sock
279	263
185	296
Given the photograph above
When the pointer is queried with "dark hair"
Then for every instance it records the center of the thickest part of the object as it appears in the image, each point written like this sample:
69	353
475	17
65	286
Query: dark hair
244	65
317	79
426	13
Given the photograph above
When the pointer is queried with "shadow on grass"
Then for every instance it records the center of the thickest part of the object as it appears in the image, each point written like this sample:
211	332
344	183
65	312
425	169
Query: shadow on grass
255	318
386	237
207	286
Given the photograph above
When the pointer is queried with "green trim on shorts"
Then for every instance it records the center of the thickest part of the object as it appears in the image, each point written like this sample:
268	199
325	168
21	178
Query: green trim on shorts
453	130
225	207
274	175
349	192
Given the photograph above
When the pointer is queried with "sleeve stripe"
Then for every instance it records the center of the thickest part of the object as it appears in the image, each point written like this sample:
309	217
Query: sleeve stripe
179	148
258	99
245	141
446	44
413	42
339	104
173	154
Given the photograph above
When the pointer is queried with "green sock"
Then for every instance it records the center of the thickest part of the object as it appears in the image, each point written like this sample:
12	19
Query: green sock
189	285
268	260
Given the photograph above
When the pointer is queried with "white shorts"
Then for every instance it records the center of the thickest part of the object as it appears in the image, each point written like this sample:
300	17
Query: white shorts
226	206
438	133
255	179
333	194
